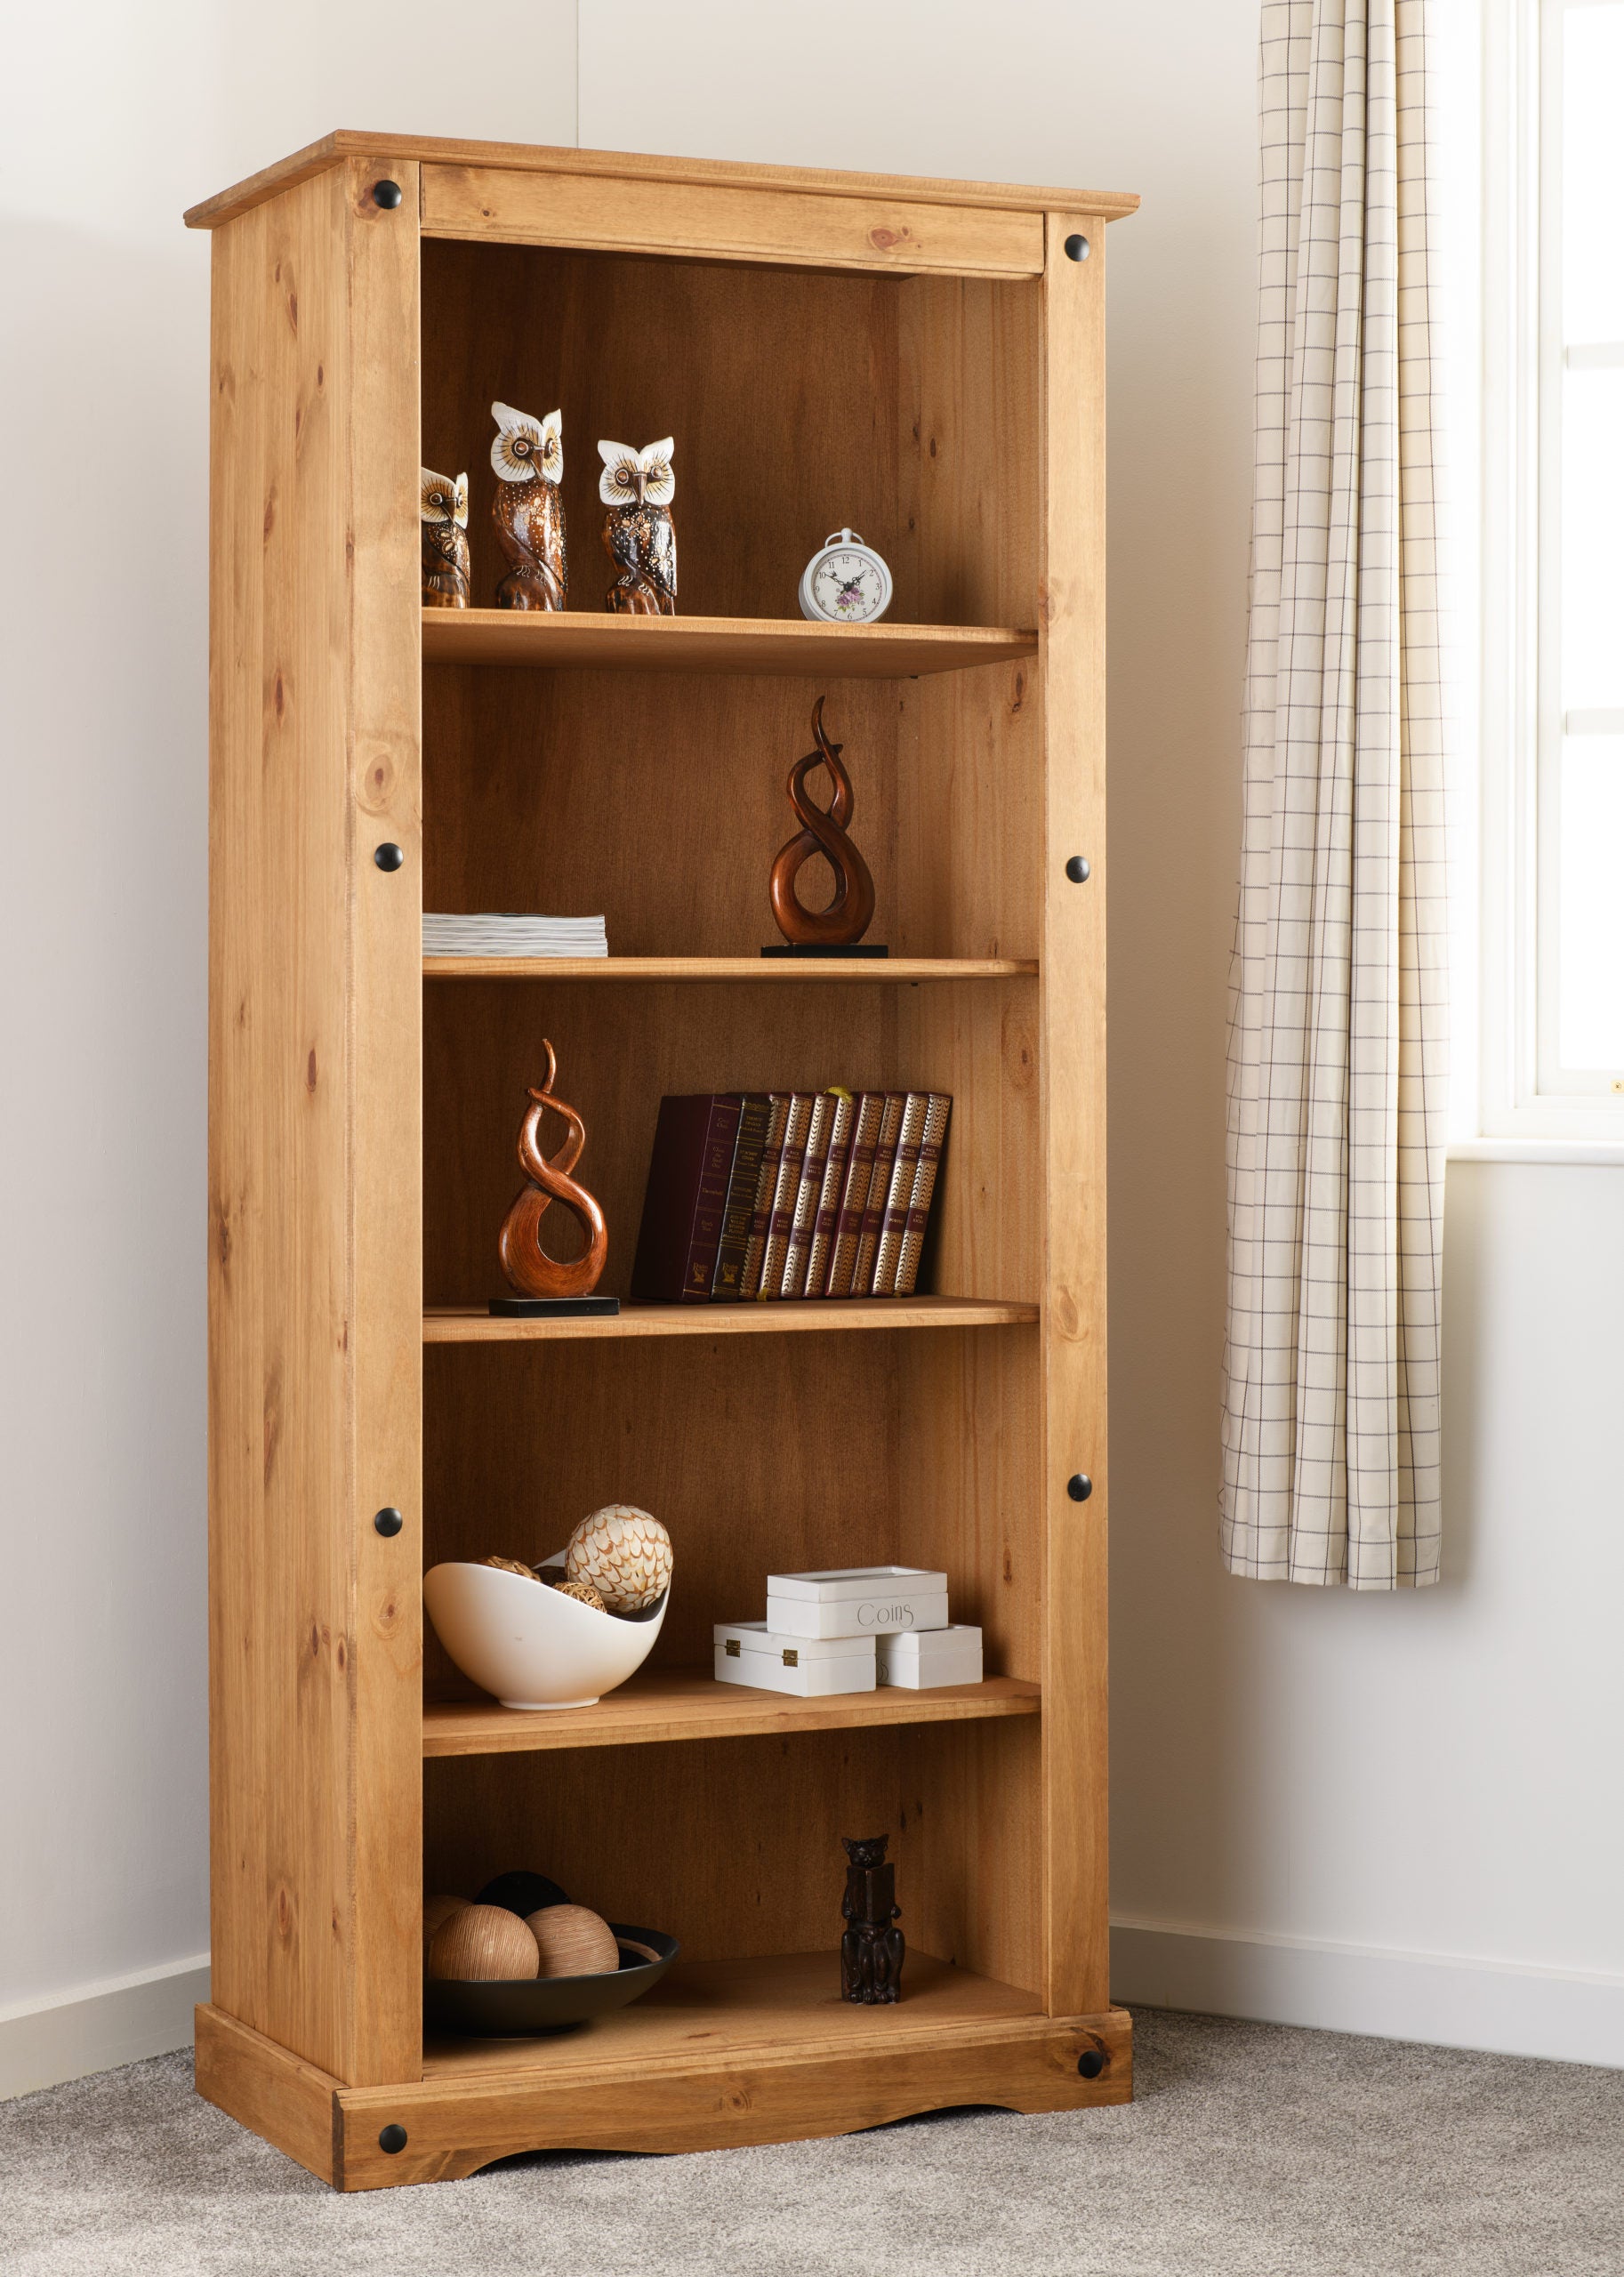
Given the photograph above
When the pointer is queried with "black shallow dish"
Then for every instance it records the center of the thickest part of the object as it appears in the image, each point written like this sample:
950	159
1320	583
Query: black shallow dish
519	2008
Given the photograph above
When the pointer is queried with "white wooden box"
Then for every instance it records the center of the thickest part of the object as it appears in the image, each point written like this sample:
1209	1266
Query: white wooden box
748	1651
856	1601
931	1656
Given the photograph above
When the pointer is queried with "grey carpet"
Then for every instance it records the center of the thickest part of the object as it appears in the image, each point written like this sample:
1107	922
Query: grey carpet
1251	2151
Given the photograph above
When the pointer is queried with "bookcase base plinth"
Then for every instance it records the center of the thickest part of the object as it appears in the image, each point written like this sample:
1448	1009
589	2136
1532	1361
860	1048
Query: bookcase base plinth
810	2069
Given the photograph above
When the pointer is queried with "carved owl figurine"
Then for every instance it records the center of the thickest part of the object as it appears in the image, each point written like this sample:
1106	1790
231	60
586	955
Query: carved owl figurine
638	535
528	457
443	506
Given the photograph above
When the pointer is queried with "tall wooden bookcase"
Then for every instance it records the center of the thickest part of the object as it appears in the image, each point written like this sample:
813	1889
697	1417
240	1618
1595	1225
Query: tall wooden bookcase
923	362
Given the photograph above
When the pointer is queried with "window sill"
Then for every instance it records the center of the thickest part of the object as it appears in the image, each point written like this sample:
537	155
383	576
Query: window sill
1574	1154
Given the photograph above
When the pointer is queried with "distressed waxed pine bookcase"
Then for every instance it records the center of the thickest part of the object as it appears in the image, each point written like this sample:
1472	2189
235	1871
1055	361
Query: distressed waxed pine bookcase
920	361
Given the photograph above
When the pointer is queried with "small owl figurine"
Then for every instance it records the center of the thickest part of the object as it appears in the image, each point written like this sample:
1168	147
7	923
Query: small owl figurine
443	505
638	535
528	457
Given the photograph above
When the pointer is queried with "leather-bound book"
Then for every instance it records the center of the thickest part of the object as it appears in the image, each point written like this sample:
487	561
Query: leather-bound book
878	1187
812	1166
826	1207
932	1139
894	1224
766	1182
786	1193
686	1198
727	1285
853	1197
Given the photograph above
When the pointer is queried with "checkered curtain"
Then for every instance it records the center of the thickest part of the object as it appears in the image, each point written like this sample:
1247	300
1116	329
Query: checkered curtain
1338	1021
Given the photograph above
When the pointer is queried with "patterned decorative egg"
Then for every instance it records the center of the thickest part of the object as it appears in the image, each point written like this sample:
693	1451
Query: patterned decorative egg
624	1554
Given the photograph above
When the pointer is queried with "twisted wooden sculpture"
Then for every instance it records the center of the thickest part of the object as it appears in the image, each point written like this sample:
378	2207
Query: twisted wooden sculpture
527	1264
822	831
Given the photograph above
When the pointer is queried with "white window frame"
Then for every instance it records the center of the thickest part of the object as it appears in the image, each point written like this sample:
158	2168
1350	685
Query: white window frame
1520	719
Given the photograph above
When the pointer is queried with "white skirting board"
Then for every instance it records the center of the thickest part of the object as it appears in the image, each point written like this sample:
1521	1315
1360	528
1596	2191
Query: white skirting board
1442	1999
100	2027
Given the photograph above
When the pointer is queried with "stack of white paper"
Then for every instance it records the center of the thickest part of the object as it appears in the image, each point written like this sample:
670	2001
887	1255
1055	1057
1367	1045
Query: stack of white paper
507	934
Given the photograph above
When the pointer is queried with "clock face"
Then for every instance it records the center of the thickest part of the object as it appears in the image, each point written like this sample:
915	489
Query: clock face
847	587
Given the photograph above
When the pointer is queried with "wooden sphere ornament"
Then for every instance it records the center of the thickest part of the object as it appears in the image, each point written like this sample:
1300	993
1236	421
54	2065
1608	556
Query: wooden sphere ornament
822	831
573	1941
483	1945
584	1593
437	1912
623	1553
527	1264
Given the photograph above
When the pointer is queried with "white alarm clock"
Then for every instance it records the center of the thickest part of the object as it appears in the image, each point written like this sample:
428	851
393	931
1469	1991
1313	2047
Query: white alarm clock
845	582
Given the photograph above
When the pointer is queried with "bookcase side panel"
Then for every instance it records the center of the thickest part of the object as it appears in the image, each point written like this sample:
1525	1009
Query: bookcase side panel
385	783
281	1723
1071	659
301	1752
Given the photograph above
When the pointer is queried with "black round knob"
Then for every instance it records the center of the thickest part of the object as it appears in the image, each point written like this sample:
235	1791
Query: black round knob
1078	871
1077	248
389	1521
393	2137
389	855
1091	2063
387	194
1079	1486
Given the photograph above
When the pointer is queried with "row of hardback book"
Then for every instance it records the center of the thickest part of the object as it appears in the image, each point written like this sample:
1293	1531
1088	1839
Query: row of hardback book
789	1194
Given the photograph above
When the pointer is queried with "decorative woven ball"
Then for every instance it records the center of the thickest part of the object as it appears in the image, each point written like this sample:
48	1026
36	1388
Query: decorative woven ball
574	1940
438	1910
582	1592
512	1565
483	1945
522	1893
624	1554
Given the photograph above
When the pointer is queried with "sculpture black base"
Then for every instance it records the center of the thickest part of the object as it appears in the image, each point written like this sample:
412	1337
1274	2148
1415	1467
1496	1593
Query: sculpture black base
550	1308
819	949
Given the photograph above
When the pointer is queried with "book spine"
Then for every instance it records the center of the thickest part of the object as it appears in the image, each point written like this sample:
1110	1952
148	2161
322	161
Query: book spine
786	1193
711	1198
686	1198
813	1164
726	1285
894	1224
854	1194
878	1187
766	1182
827	1207
933	1138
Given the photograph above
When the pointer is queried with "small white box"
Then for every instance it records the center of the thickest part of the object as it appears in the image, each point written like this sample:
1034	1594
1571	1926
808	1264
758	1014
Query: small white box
748	1651
856	1601
931	1656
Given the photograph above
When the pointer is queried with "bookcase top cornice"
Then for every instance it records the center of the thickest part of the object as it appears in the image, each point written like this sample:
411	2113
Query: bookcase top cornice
345	142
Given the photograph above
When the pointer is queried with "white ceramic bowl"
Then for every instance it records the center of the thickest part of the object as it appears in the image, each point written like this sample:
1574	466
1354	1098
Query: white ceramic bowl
530	1645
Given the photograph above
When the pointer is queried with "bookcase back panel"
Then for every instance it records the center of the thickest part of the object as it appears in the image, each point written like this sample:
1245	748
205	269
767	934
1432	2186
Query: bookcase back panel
800	402
658	801
734	1846
621	1047
761	1454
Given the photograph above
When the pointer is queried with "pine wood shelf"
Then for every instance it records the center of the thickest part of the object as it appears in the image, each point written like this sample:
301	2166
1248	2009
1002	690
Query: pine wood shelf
690	1704
896	969
751	646
769	2005
469	1324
